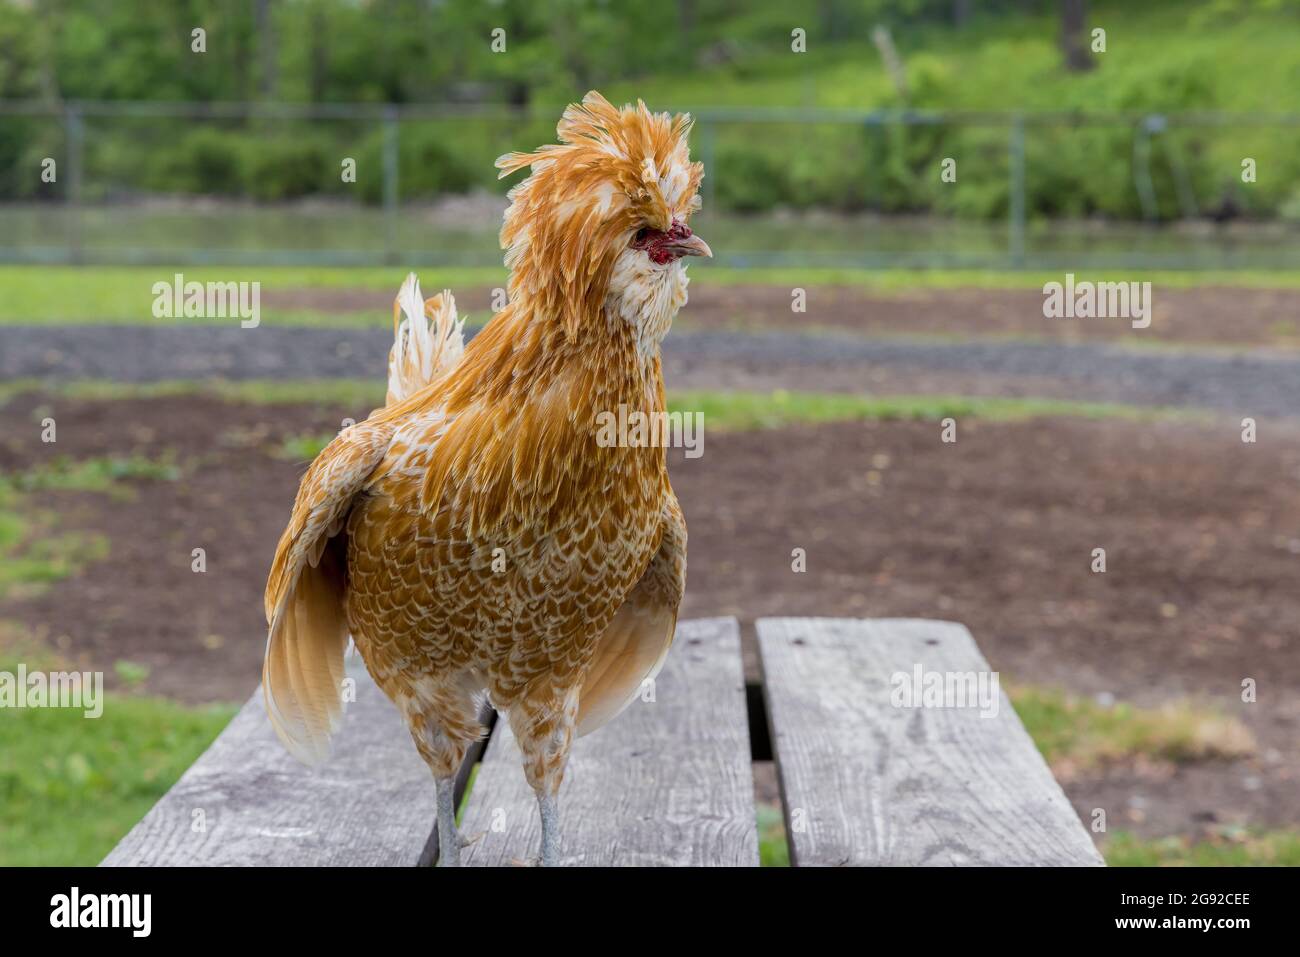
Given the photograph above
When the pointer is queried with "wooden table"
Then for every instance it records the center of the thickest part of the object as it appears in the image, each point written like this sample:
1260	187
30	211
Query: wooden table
864	781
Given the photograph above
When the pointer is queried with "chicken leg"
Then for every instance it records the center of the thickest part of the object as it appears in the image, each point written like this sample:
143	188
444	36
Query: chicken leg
548	808
543	726
449	840
443	735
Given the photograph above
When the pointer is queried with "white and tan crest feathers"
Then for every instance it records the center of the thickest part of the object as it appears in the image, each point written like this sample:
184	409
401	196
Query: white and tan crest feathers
428	340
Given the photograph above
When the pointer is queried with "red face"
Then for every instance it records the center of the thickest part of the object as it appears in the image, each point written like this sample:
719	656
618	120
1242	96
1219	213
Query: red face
665	247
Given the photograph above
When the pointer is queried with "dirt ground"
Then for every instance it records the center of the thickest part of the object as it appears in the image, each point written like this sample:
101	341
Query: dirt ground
1229	317
1202	536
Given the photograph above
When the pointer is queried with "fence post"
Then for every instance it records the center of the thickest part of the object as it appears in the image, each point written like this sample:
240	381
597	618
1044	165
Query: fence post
74	134
1142	180
1016	237
391	169
707	155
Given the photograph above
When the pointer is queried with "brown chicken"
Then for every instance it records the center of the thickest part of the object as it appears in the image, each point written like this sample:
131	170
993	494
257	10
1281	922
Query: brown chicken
474	537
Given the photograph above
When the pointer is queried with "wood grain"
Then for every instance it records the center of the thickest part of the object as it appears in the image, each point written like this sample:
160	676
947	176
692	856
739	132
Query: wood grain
667	782
371	804
867	783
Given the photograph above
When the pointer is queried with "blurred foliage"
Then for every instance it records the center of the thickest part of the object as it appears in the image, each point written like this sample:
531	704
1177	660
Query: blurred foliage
407	51
995	55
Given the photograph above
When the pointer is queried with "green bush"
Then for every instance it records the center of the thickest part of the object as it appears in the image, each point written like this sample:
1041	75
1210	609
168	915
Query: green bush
290	168
428	165
431	166
981	191
206	161
25	142
830	171
750	180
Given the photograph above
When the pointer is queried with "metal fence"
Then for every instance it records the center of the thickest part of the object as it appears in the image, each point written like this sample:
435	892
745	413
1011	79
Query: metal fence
1022	195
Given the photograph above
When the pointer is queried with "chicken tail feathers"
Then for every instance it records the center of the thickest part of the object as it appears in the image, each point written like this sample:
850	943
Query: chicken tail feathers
302	674
306	595
428	340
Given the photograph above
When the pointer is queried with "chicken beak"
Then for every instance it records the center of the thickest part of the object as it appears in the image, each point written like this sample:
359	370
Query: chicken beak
690	246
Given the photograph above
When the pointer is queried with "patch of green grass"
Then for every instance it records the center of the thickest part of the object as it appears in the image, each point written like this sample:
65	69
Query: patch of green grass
66	295
124	294
71	787
91	475
750	411
47	560
722	410
132	674
1077	733
911	280
334	391
12	528
1229	847
33	554
304	448
354	320
469	787
18	645
773	849
740	411
256	391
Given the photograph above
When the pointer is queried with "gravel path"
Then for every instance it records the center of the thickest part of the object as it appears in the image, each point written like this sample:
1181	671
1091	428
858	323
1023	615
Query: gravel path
1258	384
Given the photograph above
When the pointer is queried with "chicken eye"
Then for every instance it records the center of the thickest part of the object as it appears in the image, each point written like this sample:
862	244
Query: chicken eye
642	233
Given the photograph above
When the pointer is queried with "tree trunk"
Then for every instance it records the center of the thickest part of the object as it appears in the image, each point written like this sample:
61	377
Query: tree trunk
686	22
320	54
265	28
1074	35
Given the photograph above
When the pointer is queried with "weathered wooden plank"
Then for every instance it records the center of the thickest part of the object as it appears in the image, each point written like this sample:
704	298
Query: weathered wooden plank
868	783
667	782
371	804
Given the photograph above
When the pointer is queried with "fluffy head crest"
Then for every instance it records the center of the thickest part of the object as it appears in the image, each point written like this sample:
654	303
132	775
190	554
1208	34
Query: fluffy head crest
613	172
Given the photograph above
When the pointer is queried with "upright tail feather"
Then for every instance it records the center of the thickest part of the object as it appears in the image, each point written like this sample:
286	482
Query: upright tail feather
427	340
